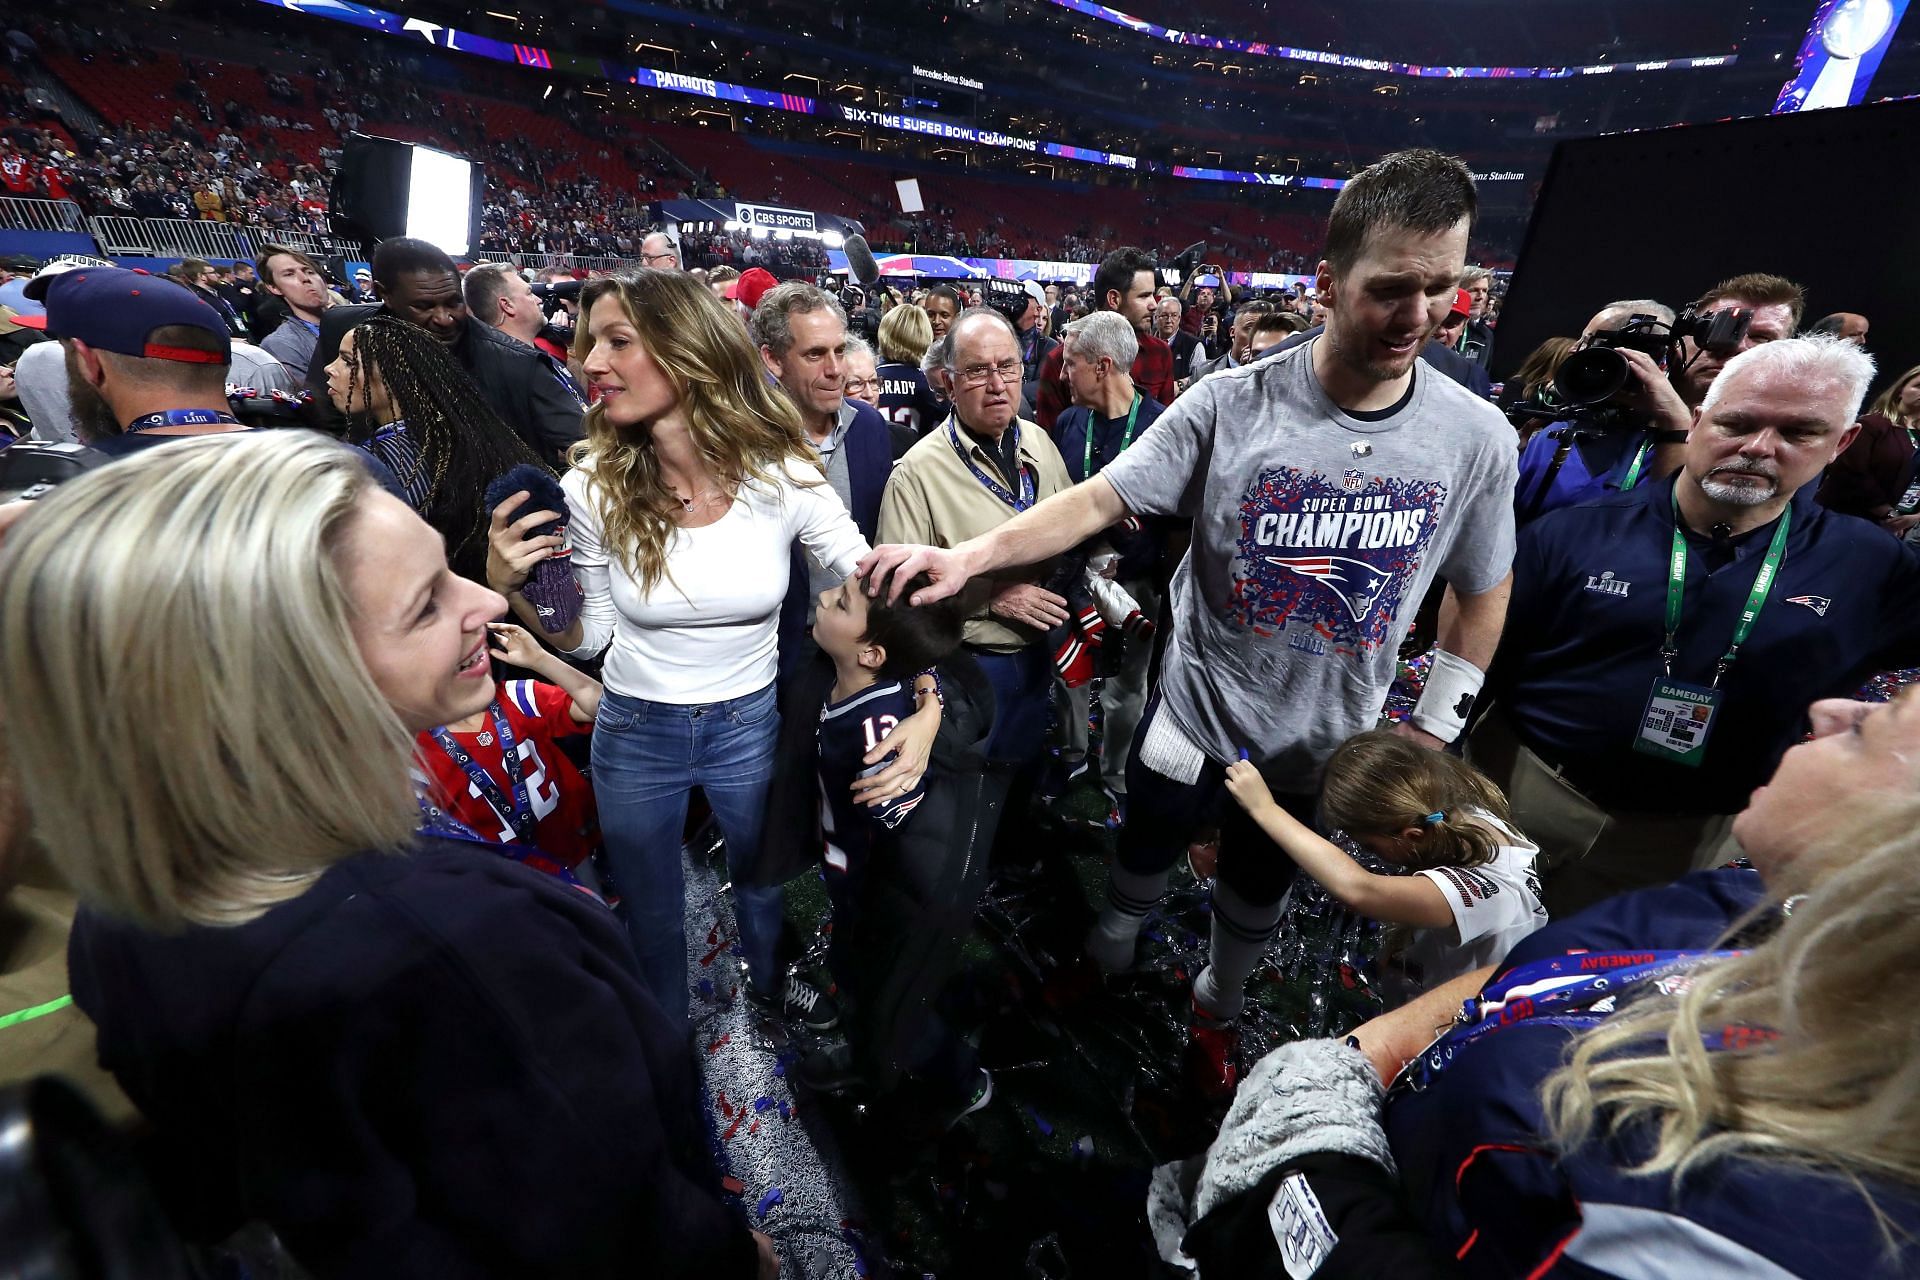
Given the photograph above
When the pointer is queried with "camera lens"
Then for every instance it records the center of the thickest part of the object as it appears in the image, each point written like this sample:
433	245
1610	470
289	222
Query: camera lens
1591	375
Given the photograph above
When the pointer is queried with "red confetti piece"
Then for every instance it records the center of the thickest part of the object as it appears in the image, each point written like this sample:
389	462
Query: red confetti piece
733	1186
715	1046
726	1108
718	947
754	1127
734	1127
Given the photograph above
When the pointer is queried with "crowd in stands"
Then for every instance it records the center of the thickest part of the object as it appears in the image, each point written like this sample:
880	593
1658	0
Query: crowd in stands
220	141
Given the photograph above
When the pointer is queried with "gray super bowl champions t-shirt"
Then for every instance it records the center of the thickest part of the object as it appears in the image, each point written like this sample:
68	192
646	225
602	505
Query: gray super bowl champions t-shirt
1315	538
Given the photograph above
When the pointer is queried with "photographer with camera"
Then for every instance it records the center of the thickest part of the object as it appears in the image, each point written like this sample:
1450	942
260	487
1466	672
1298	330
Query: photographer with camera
1663	643
499	297
1773	307
1202	300
1618	420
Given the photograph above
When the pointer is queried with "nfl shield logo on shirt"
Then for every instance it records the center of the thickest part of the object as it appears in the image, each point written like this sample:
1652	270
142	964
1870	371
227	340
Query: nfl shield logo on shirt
1353	480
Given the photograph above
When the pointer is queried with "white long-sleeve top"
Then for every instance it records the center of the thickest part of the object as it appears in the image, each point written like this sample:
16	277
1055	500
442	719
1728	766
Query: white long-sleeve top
708	630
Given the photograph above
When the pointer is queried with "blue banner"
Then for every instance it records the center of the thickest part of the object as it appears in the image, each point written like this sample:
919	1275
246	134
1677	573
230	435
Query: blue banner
1263	49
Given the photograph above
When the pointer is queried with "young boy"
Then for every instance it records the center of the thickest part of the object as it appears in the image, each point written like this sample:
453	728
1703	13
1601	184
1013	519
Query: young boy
544	803
877	651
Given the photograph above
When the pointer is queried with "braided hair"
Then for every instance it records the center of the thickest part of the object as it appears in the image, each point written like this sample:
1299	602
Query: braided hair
460	444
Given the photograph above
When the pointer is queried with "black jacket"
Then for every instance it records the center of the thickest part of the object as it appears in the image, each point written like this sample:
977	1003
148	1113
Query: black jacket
437	1064
519	381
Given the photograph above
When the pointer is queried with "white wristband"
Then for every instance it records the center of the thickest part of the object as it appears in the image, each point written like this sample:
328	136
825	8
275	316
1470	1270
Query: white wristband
1452	685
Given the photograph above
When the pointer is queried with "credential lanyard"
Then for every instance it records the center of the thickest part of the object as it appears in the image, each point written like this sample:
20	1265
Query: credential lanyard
1126	438
181	418
519	810
1756	597
441	825
1632	477
993	486
1560	991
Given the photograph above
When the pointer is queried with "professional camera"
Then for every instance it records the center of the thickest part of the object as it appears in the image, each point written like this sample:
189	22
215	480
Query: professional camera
1585	385
567	290
1597	371
1008	297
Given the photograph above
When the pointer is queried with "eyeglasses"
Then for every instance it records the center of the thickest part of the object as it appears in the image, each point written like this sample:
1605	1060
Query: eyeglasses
979	375
657	257
860	388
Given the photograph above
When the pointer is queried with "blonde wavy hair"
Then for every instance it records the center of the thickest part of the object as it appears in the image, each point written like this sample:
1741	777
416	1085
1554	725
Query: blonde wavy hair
193	733
1379	783
1830	1080
743	425
1887	405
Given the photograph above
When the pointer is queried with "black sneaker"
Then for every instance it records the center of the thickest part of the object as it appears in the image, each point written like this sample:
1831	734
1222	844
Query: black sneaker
801	1000
982	1094
830	1071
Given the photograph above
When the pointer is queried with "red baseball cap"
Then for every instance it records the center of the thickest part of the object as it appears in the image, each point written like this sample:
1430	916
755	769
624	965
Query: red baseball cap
1462	303
751	286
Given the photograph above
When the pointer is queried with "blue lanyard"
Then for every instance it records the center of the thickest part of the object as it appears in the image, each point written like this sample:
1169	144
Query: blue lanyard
181	418
1561	991
519	810
441	825
998	490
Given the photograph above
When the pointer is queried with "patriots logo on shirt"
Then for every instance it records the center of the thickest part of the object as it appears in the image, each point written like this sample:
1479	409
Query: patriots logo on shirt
1819	604
1325	562
1356	582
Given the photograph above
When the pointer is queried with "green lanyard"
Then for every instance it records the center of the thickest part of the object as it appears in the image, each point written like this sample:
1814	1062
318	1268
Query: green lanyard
1639	460
1756	597
37	1011
1133	413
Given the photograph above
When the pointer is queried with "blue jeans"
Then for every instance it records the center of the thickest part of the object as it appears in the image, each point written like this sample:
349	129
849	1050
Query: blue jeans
647	758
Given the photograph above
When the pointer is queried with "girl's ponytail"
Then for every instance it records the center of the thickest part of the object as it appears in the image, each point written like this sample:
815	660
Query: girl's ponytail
1379	783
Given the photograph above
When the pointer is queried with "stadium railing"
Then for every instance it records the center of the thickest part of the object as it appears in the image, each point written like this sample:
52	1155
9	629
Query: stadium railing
22	214
181	237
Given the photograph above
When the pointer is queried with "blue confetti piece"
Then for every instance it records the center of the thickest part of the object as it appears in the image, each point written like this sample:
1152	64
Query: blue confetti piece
773	1197
763	1104
706	988
1046	1130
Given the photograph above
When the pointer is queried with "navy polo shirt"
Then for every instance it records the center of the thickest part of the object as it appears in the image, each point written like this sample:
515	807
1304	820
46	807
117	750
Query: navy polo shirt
1582	642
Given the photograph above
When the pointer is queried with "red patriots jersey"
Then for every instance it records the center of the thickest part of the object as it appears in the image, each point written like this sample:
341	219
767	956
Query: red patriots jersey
17	172
567	825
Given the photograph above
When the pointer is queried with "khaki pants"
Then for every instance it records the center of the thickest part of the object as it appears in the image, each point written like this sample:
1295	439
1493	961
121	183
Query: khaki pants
1588	853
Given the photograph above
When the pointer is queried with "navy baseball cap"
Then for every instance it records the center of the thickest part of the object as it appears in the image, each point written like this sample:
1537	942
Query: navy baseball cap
113	309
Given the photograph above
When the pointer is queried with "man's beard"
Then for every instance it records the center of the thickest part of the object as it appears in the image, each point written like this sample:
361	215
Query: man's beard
1350	354
92	418
1740	495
